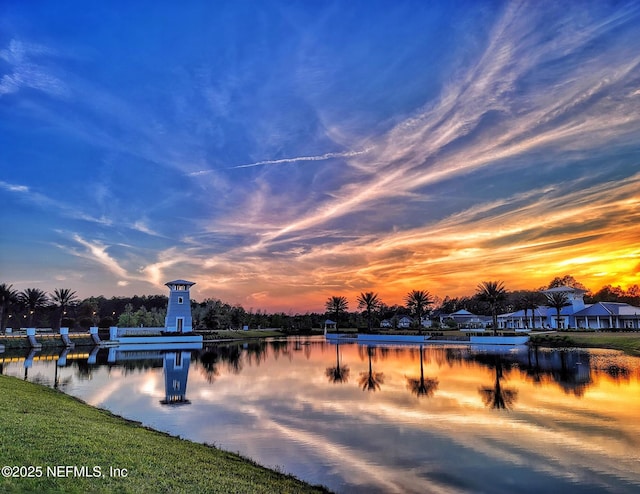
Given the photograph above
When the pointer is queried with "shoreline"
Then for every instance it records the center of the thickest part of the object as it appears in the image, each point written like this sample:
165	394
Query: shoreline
628	342
57	442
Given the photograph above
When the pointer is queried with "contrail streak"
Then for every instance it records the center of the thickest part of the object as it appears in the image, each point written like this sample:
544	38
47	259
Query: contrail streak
322	157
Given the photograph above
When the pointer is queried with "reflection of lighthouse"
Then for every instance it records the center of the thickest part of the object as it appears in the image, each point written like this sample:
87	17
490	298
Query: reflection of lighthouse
176	371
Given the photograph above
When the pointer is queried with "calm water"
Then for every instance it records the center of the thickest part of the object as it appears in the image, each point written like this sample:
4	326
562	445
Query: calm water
384	419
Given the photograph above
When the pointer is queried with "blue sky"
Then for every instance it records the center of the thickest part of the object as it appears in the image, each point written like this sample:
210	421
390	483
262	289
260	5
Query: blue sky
277	153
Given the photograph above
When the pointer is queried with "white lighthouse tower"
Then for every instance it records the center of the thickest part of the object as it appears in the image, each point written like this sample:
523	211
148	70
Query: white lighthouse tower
178	318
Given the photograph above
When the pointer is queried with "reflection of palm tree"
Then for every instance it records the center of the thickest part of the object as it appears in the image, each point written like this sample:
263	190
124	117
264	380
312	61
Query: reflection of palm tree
422	386
338	374
371	381
496	396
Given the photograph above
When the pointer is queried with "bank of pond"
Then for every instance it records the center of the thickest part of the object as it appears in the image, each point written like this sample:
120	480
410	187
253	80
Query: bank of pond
52	442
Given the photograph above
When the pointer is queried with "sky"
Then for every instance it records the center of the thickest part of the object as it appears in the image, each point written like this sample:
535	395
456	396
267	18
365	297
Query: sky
277	153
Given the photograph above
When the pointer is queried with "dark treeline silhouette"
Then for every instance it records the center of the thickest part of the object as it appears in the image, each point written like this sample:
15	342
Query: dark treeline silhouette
34	307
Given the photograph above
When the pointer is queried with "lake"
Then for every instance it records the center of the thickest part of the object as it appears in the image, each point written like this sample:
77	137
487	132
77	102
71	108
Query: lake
382	418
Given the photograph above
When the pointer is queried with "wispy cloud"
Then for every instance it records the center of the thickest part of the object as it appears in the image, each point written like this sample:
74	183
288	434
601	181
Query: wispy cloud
43	201
516	160
98	252
483	119
27	73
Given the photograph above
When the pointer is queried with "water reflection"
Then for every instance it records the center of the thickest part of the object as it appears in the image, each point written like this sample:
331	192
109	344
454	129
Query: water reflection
571	422
371	381
339	373
421	386
176	372
497	396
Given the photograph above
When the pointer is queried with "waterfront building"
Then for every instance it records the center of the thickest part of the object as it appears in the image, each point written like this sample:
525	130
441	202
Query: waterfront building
576	314
178	318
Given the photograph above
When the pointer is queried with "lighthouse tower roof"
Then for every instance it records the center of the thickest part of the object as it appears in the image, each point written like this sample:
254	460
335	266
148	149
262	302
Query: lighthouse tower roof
179	282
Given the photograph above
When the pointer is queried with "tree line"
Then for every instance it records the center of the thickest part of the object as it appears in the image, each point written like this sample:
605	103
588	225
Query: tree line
33	307
62	308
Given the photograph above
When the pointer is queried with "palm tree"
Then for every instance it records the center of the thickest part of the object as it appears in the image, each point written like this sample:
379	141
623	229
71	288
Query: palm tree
369	302
558	300
417	302
336	305
371	381
32	299
8	296
492	292
421	386
530	300
64	297
339	373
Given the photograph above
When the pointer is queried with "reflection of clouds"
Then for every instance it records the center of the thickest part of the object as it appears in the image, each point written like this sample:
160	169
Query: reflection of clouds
576	453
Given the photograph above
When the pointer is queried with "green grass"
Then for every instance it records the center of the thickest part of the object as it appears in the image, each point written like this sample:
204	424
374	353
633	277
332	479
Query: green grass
43	427
626	342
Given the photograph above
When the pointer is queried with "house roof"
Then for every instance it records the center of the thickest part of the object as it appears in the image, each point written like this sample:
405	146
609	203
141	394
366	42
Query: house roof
540	311
461	312
564	289
606	309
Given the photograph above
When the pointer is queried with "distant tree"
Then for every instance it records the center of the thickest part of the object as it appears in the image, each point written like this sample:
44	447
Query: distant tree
127	319
32	299
8	297
566	280
558	300
89	312
336	305
64	297
418	301
147	319
493	293
609	293
449	305
370	303
237	316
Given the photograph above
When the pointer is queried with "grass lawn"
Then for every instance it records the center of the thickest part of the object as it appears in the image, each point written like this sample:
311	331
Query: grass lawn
627	342
44	428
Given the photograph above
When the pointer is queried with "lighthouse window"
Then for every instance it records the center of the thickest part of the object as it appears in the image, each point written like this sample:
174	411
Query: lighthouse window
180	300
